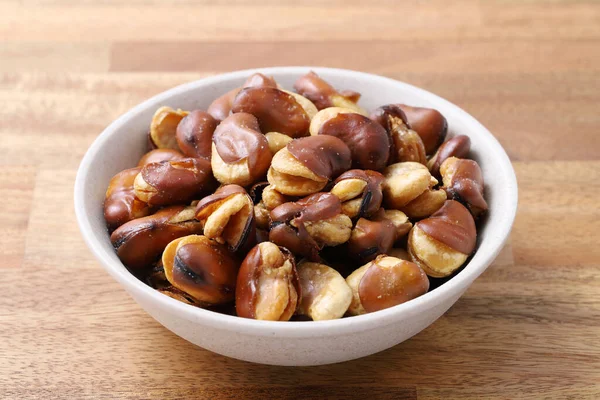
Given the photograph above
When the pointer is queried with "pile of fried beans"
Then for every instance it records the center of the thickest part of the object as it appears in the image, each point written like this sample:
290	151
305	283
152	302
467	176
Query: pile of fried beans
278	205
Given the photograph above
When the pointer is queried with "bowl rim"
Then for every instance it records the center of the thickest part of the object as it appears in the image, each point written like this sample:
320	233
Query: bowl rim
454	286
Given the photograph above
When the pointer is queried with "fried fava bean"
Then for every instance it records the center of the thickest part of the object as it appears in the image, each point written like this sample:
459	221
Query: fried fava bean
463	181
160	155
259	80
228	216
275	110
385	282
368	141
272	198
309	178
375	236
202	268
430	124
277	141
306	165
240	152
404	182
459	147
323	95
308	106
140	242
220	108
163	127
266	193
360	192
407	145
194	134
174	182
425	204
262	216
325	293
309	224
442	243
265	199
121	204
267	284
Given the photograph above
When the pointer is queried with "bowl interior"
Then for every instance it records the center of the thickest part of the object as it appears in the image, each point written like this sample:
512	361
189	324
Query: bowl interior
122	144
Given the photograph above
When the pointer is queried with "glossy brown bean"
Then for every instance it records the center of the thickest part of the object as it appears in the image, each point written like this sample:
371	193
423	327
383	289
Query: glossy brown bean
139	243
194	134
174	182
368	141
385	282
160	155
406	144
202	268
276	110
430	124
267	284
360	192
323	95
220	108
306	165
241	153
228	216
442	243
121	204
377	235
463	181
459	146
305	226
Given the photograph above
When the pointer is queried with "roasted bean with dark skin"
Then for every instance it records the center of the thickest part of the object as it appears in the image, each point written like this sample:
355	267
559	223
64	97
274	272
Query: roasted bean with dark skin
267	284
306	165
194	134
459	147
220	108
377	235
276	110
463	181
121	204
323	95
385	282
368	142
228	216
202	268
305	226
160	155
360	192
406	144
139	243
430	124
442	243
174	182
240	152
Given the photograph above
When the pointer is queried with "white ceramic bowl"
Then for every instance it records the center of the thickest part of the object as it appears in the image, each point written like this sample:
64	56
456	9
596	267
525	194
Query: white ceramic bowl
292	343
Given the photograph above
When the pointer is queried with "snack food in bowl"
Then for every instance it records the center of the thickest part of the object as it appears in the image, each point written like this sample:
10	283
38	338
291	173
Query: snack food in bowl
274	206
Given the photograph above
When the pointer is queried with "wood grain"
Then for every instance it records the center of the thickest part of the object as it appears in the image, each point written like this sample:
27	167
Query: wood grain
62	20
16	189
527	328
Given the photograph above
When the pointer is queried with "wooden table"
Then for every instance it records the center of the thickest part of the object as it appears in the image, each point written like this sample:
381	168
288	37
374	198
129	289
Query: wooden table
529	70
